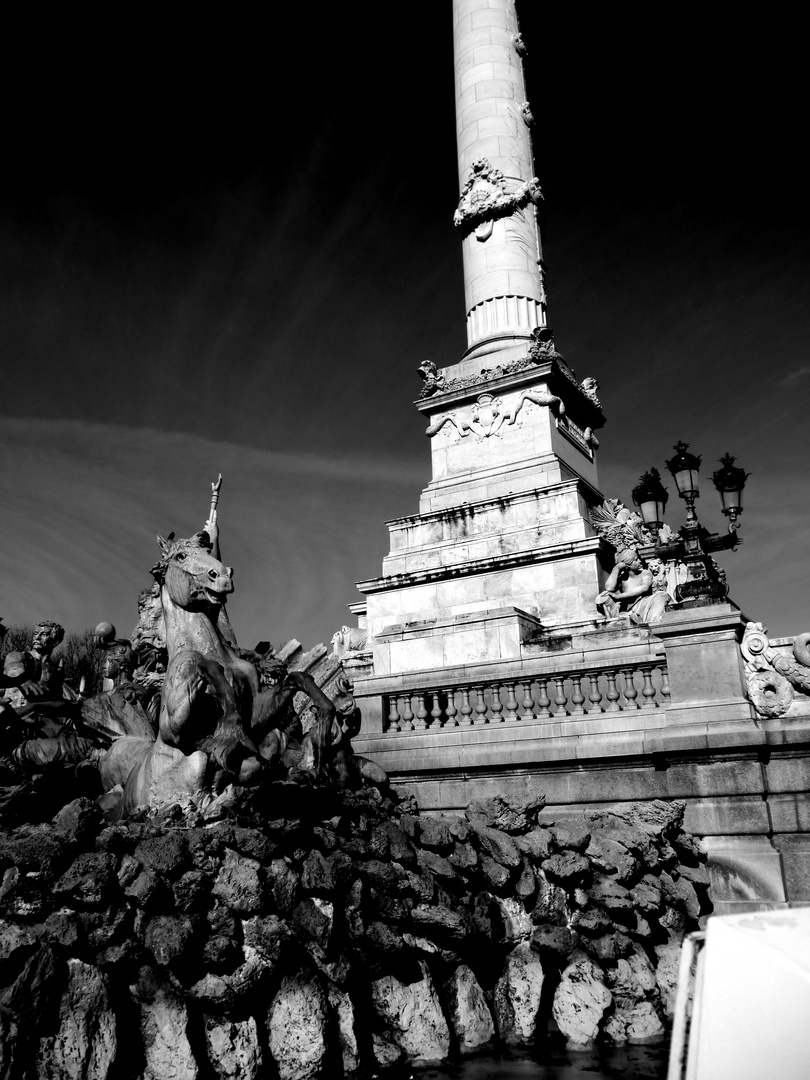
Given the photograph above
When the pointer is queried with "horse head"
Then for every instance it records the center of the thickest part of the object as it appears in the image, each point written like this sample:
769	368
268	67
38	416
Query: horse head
193	579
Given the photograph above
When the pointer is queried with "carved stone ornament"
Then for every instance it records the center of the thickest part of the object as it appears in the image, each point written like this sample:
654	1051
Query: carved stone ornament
484	199
771	676
589	387
488	415
624	530
434	380
527	114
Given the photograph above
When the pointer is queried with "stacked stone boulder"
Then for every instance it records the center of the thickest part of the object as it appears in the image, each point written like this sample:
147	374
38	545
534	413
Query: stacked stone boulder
358	935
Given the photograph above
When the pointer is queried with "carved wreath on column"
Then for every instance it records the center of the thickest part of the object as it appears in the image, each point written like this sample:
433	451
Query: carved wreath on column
484	199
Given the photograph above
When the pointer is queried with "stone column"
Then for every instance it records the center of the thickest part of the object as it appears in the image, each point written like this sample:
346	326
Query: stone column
497	215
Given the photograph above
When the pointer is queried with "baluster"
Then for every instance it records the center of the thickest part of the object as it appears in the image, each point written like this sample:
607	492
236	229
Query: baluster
451	711
664	684
648	690
393	714
466	707
595	695
480	705
560	700
630	692
511	702
612	693
497	706
528	702
577	697
544	701
407	714
436	711
421	712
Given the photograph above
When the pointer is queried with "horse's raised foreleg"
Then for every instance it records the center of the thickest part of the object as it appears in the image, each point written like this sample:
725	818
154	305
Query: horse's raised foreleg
230	744
321	731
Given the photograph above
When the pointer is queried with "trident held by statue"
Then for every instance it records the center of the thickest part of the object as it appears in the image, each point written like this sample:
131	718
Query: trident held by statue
212	516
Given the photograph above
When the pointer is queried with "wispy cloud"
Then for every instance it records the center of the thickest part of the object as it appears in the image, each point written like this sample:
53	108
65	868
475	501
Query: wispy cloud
82	504
795	376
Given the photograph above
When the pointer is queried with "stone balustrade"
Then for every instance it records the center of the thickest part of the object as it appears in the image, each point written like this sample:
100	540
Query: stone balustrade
632	687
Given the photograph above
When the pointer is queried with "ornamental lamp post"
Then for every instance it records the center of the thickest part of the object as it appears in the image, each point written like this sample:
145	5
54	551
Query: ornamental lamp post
694	544
650	496
730	481
685	468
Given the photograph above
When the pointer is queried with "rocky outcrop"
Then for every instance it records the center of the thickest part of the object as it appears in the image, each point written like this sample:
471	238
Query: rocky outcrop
352	936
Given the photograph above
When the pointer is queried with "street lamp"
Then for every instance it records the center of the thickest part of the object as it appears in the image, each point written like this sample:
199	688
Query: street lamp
650	496
730	481
693	544
685	468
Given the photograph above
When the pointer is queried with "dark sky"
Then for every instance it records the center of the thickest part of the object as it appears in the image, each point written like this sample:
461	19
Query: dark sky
229	245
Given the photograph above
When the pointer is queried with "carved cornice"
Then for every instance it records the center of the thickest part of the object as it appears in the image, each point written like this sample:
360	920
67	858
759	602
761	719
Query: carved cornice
484	199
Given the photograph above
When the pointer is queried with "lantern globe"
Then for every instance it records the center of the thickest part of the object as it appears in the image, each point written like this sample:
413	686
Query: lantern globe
650	496
730	481
685	469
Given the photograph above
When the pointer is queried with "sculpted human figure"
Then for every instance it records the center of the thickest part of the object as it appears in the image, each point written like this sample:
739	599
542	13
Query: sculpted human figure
630	588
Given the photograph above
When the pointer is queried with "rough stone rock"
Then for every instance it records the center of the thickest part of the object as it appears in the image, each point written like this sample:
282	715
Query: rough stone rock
610	894
634	838
495	875
681	893
609	855
497	845
267	935
89	881
516	924
297	1027
191	891
254	843
385	1050
554	943
233	1048
85	1043
15	942
421	886
316	873
79	820
463	857
284	885
568	867
516	997
593	921
167	854
239	884
551	903
106	927
400	849
221	955
512	815
434	833
168	937
608	946
64	927
436	920
574	836
638	1023
467	1010
35	849
382	939
35	988
413	1017
163	1022
698	875
646	894
343	1011
149	890
436	864
580	1000
666	974
536	844
383	876
526	885
313	921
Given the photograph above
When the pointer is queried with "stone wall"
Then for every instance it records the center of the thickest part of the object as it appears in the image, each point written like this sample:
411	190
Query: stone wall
353	935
